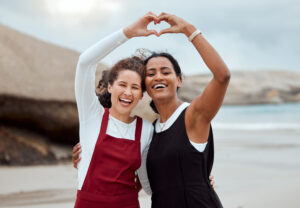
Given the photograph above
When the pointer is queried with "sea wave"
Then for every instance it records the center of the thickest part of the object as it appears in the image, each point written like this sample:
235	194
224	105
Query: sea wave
256	126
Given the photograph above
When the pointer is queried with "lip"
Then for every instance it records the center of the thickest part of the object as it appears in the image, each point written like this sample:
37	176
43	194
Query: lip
159	85
125	102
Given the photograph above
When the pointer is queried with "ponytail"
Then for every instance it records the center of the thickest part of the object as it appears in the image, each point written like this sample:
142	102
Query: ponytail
152	105
102	92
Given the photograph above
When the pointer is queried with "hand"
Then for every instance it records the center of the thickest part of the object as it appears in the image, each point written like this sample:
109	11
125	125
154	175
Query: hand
212	182
139	28
178	25
76	152
138	185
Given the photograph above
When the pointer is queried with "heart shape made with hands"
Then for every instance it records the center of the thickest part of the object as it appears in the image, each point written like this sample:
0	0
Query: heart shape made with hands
151	23
158	27
165	23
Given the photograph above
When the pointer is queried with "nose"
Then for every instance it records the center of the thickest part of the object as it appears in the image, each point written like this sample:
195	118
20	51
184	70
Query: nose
158	76
128	91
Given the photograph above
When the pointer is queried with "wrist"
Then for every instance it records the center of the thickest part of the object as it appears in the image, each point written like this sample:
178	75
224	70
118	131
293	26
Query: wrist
127	32
189	29
194	34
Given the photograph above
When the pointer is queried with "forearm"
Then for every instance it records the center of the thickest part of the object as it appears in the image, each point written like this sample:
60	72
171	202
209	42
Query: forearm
209	55
102	48
86	98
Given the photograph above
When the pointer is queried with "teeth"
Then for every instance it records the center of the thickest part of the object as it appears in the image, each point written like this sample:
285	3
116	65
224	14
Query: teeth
125	100
159	86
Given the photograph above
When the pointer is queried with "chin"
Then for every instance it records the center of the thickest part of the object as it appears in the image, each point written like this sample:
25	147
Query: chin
161	96
124	110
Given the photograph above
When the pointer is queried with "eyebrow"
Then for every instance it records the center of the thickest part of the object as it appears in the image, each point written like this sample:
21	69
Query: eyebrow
161	68
165	67
127	83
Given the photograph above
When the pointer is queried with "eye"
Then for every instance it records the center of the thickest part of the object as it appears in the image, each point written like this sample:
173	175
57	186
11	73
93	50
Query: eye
166	72
150	74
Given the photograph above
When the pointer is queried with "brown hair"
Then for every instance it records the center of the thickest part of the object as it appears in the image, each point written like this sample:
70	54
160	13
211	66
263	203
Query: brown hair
133	63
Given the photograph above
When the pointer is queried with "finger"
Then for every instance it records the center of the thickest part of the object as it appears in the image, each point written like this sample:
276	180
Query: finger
151	13
213	186
165	18
152	32
163	13
76	157
75	163
76	147
76	154
211	177
167	30
153	18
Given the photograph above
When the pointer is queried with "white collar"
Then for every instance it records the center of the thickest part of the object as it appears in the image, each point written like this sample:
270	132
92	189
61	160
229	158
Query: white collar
171	119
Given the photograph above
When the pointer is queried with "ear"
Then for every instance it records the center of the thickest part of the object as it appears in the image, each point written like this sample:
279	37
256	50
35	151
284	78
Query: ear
179	80
109	88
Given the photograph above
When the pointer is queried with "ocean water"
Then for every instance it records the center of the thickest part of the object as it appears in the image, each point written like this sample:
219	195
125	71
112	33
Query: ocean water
258	117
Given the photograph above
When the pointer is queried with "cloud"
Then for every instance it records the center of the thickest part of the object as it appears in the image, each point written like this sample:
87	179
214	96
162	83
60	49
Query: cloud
248	34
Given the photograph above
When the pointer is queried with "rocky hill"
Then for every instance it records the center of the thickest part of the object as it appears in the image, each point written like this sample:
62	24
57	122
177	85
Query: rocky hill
250	87
38	114
37	101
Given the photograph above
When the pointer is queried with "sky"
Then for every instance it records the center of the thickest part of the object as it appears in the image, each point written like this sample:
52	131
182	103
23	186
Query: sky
249	35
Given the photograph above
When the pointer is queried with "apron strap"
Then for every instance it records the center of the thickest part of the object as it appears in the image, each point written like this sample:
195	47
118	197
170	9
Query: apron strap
138	129
104	123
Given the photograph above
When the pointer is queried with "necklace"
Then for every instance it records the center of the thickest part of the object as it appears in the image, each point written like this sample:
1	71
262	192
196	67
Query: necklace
123	136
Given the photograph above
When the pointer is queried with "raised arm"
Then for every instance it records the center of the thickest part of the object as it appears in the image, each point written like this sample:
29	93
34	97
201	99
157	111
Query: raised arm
204	107
87	101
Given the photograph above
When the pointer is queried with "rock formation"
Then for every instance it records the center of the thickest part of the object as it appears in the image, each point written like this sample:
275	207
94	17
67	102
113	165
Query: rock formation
38	114
249	87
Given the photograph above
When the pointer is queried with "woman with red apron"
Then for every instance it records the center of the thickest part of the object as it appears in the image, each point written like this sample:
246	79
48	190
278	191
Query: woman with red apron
110	157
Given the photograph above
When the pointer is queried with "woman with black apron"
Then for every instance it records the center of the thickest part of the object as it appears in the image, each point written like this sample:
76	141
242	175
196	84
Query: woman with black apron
181	152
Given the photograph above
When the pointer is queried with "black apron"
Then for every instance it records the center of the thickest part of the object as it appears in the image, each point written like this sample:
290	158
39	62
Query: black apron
177	172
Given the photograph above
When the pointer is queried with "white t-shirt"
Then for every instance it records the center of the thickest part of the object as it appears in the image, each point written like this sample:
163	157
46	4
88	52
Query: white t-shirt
91	111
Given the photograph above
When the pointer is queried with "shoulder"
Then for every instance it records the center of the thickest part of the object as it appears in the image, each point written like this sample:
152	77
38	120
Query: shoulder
147	125
147	131
147	134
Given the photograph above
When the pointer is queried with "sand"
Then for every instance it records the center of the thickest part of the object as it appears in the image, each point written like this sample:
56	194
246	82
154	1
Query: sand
252	169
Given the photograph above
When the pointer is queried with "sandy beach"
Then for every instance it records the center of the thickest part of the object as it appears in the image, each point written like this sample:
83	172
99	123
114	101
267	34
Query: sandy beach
252	169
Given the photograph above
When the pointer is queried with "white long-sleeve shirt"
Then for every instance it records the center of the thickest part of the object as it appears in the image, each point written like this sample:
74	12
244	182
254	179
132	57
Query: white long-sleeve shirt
91	111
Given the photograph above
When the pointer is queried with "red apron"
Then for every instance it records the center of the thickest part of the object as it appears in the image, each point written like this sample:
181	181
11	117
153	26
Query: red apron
110	180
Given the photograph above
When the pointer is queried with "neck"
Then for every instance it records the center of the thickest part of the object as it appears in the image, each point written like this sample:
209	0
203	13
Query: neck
121	117
166	108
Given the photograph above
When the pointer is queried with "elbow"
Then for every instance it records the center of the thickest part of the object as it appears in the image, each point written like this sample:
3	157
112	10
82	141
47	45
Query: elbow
83	59
80	60
225	77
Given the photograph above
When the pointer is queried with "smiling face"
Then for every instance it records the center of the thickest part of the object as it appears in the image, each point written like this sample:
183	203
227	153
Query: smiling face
125	91
161	80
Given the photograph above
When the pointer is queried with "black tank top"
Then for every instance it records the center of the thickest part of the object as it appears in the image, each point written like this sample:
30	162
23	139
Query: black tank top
177	172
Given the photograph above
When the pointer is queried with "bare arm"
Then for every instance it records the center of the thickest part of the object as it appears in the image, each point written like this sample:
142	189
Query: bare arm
204	107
